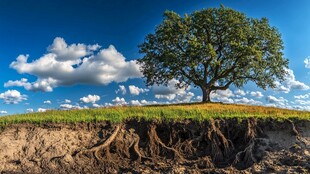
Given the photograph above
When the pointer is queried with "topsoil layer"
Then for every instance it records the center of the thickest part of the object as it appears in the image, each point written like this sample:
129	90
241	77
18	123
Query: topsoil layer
214	146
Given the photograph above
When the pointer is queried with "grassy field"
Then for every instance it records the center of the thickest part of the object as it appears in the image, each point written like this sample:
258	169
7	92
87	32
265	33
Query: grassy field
196	111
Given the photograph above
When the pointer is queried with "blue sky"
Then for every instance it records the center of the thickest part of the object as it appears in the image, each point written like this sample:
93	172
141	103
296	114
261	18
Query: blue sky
40	40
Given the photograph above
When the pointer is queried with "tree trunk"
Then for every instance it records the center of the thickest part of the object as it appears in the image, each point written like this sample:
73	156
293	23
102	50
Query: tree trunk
206	95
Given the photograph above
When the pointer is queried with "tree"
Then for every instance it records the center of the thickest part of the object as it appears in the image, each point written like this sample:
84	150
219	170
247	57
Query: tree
213	49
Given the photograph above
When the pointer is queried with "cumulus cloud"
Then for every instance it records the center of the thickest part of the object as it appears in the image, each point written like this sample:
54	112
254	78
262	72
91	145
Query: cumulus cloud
135	103
45	85
3	112
67	101
245	100
47	102
168	92
277	101
71	52
42	110
302	96
29	110
67	106
290	83
302	102
304	108
197	99
185	97
239	92
95	105
145	102
257	94
22	82
121	89
119	101
90	99
167	96
108	105
307	62
12	97
222	96
136	90
66	65
222	93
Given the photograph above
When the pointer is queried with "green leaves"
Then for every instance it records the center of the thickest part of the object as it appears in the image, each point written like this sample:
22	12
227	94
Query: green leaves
213	45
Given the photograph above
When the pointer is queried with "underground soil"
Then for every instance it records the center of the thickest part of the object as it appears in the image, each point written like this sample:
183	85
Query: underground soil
213	146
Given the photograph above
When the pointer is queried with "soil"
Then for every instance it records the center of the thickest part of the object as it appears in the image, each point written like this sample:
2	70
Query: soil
214	146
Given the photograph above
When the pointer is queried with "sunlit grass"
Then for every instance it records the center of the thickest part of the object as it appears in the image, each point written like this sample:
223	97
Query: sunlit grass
195	111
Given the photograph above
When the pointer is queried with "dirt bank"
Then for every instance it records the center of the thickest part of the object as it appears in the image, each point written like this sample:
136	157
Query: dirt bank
216	146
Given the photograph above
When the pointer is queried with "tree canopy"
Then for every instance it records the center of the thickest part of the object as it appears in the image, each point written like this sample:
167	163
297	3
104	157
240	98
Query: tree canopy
213	49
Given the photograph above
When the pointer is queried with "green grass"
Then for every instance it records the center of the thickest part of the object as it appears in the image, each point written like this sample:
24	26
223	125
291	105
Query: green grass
196	111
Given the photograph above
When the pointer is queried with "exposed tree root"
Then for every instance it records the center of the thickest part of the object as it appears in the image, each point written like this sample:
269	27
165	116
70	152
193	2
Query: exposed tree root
221	148
293	128
155	141
204	145
96	150
296	133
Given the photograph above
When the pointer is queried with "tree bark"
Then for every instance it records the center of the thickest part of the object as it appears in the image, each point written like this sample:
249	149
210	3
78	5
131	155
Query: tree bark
206	95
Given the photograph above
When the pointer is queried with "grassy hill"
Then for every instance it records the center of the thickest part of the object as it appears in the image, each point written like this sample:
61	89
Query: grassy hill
195	111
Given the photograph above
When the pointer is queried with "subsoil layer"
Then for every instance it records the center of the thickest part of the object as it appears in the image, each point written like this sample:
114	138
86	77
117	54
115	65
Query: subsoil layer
213	146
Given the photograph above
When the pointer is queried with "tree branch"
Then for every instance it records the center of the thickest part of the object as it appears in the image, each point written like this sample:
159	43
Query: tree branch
222	87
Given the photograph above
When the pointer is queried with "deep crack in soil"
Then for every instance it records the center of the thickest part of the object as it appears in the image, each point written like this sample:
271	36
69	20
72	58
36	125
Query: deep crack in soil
214	146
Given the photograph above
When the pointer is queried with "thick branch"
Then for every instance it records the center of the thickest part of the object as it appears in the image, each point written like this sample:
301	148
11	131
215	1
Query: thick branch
222	87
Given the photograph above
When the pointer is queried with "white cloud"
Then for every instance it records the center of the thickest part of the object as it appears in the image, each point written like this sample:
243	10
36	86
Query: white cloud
108	104
66	65
67	101
47	102
136	90
240	92
71	52
45	85
225	100
20	83
90	99
307	62
278	101
245	100
198	99
167	96
42	110
119	101
290	83
121	89
302	102
257	94
12	97
185	97
135	103
168	92
305	108
67	106
3	112
281	88
95	105
222	93
302	96
145	102
222	96
29	110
